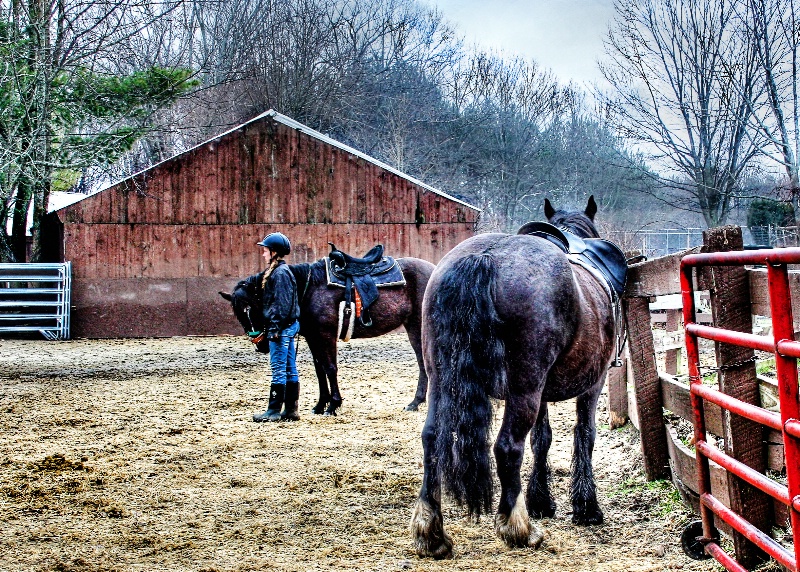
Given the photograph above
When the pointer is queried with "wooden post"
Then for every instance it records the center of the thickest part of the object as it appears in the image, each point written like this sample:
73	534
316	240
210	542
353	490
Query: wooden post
673	355
617	380
647	389
744	440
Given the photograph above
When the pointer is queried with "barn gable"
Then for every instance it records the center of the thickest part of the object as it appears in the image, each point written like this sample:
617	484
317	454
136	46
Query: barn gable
156	247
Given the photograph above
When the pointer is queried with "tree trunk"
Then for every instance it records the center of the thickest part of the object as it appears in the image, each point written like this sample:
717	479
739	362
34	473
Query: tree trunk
20	223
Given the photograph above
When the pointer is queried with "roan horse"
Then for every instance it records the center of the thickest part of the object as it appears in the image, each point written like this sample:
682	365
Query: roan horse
509	317
319	321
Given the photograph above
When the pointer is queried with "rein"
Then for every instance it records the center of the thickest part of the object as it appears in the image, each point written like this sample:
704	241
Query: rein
305	287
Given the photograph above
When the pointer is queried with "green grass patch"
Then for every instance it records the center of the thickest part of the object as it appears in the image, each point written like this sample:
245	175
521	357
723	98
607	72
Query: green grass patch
662	496
766	367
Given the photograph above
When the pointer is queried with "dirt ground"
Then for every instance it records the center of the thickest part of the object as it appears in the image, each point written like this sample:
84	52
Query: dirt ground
141	455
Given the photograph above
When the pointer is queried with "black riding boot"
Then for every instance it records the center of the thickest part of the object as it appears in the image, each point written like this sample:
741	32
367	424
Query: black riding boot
292	398
273	413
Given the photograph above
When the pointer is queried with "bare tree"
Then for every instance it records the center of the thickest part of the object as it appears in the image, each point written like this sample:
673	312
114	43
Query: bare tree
683	75
774	27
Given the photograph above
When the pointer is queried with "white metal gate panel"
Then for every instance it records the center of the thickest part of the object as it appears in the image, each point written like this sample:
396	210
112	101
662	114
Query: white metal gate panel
35	298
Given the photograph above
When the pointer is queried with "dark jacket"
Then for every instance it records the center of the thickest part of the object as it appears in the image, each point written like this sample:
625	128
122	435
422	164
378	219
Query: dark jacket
279	298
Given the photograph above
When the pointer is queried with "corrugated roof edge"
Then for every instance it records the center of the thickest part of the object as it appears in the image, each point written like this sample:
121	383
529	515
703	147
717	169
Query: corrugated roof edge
289	122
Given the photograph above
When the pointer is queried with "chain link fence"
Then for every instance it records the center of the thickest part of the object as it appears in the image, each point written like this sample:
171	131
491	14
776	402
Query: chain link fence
774	236
654	243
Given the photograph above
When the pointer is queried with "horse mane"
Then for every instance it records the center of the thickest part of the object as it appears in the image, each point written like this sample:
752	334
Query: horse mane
576	222
308	275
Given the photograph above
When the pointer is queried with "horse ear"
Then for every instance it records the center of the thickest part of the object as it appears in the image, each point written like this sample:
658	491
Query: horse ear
549	211
227	296
591	208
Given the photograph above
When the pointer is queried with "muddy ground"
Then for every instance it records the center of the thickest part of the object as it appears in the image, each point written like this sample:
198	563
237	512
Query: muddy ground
141	455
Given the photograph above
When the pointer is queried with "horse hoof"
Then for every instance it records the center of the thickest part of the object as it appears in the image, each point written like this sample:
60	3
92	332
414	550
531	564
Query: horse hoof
514	535
535	538
319	408
544	509
438	551
531	537
412	407
430	539
334	405
516	529
588	517
330	413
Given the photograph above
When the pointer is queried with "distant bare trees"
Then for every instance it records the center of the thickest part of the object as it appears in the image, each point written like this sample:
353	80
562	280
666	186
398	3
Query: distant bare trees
393	79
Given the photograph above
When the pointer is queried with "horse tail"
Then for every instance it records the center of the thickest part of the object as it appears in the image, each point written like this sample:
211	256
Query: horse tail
470	362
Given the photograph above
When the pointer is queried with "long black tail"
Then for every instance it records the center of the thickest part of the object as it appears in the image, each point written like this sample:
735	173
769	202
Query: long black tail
470	363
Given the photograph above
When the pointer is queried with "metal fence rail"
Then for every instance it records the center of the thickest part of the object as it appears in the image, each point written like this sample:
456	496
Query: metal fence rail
36	298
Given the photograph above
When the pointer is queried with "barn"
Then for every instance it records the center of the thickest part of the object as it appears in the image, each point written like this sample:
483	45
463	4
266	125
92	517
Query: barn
150	253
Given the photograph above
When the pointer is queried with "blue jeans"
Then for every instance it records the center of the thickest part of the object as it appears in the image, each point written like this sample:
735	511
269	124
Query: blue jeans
282	354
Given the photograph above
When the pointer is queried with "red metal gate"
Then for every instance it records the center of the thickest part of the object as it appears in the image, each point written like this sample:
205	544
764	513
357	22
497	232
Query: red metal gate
786	352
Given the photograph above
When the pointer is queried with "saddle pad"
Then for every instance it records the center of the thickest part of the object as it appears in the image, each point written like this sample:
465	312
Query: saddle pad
602	255
388	275
608	259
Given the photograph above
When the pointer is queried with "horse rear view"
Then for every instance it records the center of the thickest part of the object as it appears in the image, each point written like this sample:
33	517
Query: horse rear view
510	317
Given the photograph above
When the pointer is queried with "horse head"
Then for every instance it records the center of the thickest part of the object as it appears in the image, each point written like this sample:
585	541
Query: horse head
247	309
578	223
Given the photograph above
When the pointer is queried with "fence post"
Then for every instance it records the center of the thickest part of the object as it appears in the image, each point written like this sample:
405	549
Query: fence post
647	388
729	288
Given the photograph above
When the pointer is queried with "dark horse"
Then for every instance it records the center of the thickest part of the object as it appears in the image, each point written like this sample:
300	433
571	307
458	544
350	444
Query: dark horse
509	317
319	321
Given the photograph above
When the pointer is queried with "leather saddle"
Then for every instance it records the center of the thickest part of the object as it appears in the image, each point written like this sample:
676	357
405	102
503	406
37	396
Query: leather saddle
595	253
373	262
361	278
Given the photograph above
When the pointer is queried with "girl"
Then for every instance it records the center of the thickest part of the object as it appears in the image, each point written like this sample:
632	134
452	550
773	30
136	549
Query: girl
281	314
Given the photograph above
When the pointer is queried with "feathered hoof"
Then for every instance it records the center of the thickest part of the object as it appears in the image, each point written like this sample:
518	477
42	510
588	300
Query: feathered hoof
542	508
430	539
516	529
588	515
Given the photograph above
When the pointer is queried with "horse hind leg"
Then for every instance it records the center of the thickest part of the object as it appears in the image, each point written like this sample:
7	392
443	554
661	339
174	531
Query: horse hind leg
414	331
540	501
324	394
512	522
324	367
427	526
585	509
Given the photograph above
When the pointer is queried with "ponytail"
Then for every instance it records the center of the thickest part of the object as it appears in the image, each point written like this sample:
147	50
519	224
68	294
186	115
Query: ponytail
273	264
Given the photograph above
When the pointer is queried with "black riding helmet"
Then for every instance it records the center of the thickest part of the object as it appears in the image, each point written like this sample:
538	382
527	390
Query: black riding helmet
277	242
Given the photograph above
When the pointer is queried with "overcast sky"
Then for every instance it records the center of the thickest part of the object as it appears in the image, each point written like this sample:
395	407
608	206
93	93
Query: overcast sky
563	35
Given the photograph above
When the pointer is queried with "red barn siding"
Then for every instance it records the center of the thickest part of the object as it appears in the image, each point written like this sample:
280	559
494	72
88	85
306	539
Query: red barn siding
150	253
